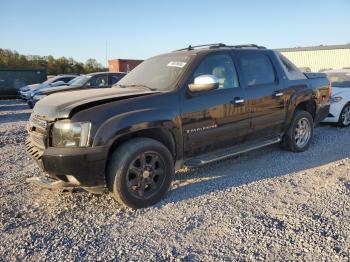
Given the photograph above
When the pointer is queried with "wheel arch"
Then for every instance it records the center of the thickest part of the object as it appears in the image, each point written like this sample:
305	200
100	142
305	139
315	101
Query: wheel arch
306	103
308	106
159	134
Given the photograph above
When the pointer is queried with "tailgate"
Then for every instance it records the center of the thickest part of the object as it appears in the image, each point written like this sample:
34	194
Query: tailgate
315	75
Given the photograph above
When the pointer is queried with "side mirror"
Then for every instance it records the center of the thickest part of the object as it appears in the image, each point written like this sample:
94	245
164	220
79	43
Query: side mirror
204	83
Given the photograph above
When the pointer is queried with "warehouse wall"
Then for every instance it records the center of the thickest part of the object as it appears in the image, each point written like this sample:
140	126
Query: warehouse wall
320	59
122	65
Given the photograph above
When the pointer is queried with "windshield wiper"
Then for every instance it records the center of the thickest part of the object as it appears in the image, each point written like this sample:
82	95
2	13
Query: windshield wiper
137	85
122	86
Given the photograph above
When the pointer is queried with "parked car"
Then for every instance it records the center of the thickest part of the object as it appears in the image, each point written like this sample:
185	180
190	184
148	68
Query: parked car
25	92
340	100
93	80
186	108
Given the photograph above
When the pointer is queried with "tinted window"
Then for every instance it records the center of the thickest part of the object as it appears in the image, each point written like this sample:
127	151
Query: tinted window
292	72
56	80
257	69
114	79
99	81
66	79
221	66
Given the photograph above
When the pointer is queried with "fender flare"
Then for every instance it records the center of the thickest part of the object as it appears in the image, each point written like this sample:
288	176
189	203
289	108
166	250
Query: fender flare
296	99
133	122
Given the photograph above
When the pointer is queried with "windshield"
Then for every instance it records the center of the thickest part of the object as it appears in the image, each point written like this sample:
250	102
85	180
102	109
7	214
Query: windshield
58	83
79	81
340	79
49	81
71	81
157	73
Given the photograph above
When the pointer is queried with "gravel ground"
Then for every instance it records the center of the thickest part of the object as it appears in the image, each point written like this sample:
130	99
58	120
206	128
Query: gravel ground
264	205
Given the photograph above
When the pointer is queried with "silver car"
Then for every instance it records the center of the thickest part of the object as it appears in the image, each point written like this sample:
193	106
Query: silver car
25	92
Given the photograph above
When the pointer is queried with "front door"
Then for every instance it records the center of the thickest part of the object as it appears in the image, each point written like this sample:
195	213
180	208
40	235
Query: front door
99	81
264	100
218	118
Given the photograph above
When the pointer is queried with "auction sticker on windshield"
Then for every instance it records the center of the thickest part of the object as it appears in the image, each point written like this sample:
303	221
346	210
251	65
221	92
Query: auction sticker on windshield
177	64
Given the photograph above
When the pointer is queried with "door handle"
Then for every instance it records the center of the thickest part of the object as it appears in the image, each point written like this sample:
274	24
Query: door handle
238	100
277	94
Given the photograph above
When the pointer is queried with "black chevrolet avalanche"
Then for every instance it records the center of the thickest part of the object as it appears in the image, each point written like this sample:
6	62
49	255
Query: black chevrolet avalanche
189	107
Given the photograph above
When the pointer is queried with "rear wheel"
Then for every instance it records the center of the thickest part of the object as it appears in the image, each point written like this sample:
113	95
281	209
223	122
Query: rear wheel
344	118
300	132
140	172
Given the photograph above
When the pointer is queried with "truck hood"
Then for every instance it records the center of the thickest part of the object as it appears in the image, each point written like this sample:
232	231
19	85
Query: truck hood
60	105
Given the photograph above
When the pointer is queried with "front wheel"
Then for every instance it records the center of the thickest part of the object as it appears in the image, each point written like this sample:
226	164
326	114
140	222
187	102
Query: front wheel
140	172
344	118
300	132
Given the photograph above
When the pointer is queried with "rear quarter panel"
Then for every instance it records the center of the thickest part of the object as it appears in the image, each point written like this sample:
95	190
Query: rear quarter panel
303	90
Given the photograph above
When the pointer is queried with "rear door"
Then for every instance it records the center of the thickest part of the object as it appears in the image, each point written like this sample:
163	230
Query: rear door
214	119
264	95
113	79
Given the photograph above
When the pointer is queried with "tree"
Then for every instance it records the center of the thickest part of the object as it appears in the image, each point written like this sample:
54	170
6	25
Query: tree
62	65
91	65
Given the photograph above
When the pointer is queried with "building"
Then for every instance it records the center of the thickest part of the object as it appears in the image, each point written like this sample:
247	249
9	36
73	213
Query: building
318	58
122	65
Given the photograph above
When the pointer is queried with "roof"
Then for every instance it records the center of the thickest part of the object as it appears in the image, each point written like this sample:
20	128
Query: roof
110	73
314	48
124	59
213	47
66	75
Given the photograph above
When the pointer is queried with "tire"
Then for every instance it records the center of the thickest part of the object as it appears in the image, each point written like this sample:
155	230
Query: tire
302	123
344	117
30	104
140	172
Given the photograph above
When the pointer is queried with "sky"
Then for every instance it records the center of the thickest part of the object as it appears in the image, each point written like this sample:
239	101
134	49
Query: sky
134	29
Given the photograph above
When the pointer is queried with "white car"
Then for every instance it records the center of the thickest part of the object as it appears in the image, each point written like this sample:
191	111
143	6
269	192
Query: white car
340	100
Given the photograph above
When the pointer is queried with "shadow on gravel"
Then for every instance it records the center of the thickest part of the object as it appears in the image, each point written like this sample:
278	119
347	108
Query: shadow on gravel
257	165
15	107
12	102
11	118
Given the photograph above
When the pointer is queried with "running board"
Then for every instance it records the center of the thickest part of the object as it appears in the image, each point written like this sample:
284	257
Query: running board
228	152
49	183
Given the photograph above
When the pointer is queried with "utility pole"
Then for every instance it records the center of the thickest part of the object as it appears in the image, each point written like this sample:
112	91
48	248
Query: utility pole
106	56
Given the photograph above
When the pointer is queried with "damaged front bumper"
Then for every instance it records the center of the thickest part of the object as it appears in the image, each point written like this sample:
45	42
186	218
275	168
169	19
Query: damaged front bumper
80	167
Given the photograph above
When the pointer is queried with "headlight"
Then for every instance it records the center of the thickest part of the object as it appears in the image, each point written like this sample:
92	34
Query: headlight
71	134
336	99
38	97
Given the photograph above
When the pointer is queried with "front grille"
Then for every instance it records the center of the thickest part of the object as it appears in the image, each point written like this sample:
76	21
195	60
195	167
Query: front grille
37	140
32	150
